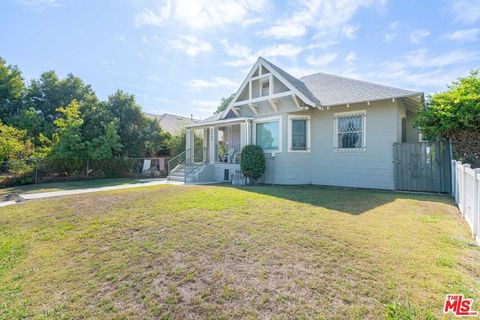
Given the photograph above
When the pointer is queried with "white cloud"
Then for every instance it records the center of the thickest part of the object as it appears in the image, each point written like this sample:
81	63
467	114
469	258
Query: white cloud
166	101
149	17
417	35
153	77
206	103
191	45
215	82
200	14
245	56
280	50
248	22
151	40
351	56
328	19
391	32
321	60
420	70
389	36
235	49
464	35
349	31
205	107
284	31
420	59
465	11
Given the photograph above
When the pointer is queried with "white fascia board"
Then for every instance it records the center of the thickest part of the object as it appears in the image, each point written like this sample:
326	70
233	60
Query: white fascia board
242	86
288	84
262	62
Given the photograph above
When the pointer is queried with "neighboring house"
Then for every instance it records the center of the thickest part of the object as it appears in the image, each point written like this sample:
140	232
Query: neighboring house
319	129
171	123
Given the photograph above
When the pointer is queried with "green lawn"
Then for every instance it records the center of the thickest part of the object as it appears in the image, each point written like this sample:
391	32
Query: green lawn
194	252
11	192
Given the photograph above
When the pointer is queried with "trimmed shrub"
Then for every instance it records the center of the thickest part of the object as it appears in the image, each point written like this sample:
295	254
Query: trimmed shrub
252	162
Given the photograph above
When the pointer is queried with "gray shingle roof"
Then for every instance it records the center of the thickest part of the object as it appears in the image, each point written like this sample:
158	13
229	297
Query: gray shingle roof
328	90
213	118
335	90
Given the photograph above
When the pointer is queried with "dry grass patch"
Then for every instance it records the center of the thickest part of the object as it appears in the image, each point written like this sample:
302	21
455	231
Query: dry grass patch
220	252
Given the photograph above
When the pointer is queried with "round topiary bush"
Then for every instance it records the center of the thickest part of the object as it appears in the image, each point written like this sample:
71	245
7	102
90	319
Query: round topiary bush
252	162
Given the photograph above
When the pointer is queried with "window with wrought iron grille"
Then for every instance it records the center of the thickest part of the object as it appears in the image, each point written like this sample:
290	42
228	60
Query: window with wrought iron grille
350	131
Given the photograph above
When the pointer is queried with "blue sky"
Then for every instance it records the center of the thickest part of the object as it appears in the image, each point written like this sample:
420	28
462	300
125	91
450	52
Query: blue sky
183	56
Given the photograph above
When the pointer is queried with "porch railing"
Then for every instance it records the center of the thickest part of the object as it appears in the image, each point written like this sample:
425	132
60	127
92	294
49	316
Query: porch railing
193	166
177	160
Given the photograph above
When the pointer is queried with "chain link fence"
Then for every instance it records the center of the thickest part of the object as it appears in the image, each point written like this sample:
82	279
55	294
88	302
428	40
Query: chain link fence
28	171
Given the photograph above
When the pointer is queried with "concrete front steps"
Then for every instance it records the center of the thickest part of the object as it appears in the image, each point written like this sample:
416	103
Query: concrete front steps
178	174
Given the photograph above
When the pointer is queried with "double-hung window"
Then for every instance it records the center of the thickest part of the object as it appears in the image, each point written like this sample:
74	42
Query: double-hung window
298	133
349	132
268	134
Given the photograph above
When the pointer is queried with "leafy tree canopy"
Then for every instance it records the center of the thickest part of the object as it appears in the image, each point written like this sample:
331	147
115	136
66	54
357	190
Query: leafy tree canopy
454	110
224	103
11	91
455	114
14	143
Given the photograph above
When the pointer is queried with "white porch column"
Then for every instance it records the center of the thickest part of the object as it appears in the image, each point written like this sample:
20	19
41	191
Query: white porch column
213	144
243	135
189	145
205	144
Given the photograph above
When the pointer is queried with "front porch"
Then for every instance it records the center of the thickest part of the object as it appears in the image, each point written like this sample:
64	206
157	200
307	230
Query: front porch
222	141
217	157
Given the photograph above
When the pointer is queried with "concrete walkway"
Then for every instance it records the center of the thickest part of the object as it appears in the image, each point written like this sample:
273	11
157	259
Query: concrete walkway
41	195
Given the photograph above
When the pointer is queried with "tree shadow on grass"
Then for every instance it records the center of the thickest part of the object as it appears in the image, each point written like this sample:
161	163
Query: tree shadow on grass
348	200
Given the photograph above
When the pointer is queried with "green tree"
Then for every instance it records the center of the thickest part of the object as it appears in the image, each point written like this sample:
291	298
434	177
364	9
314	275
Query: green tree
455	114
224	103
139	135
47	94
14	143
107	146
69	151
12	89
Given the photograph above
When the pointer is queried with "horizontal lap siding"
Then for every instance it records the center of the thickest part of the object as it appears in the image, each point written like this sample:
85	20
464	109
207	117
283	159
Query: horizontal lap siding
372	168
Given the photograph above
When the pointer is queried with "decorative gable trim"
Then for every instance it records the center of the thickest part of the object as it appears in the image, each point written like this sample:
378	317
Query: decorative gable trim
259	65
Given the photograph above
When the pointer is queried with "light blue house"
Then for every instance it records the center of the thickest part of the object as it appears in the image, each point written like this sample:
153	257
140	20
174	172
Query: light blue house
319	129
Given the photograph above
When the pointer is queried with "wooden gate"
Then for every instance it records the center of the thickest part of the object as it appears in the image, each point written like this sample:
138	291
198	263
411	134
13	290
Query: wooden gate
422	166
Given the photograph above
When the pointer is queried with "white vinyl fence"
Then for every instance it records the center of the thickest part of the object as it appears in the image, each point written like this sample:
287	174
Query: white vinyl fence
466	190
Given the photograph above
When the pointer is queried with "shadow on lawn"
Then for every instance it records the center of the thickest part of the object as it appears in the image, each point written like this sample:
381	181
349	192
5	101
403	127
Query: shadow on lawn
347	200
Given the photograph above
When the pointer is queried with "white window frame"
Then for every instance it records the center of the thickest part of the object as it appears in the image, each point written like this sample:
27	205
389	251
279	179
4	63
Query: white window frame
262	81
290	133
364	130
280	132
